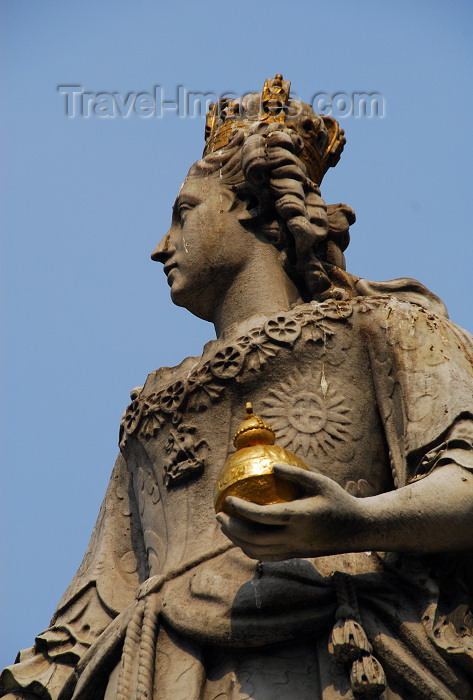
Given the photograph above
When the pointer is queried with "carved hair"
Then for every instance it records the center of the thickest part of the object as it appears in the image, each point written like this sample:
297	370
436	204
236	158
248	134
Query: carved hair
262	168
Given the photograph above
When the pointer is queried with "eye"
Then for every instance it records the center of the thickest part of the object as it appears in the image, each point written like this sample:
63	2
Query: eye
182	210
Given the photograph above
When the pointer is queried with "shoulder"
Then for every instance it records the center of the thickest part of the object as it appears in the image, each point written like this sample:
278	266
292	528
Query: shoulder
403	289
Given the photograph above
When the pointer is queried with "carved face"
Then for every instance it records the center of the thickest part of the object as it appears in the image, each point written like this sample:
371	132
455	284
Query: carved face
206	246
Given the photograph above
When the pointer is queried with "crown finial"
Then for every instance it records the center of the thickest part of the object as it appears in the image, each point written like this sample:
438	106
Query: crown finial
275	96
323	140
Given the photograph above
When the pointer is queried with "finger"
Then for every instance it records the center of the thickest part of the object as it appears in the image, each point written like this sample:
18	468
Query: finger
274	514
257	551
311	482
265	555
248	531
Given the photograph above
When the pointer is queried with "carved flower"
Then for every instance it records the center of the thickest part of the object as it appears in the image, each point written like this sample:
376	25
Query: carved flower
307	313
172	397
336	310
283	329
132	416
227	362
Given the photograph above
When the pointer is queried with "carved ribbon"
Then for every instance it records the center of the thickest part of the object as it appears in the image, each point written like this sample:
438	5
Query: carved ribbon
136	680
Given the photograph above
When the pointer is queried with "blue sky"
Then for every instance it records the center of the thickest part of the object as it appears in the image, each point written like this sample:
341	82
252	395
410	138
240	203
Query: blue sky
85	200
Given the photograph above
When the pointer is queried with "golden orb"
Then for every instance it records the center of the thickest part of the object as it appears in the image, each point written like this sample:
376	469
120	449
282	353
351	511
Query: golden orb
248	473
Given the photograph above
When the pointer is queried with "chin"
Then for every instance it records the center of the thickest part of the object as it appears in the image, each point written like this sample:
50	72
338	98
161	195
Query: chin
189	299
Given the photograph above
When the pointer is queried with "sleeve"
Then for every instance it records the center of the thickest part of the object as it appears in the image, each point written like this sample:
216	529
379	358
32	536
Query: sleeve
456	448
422	369
105	584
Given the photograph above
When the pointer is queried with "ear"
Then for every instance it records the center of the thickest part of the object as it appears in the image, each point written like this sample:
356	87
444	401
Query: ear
255	210
268	227
228	200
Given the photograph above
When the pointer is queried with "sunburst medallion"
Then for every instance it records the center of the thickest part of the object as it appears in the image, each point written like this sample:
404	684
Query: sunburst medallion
308	414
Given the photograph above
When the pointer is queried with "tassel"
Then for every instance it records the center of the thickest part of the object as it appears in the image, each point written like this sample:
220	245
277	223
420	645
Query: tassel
348	641
367	676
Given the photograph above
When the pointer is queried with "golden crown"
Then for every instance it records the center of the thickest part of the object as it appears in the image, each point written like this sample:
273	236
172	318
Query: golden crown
322	137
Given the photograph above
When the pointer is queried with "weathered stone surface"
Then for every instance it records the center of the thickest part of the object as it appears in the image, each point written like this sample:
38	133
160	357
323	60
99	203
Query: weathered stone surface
362	586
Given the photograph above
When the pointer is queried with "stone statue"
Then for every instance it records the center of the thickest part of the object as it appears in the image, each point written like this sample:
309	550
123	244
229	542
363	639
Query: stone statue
361	586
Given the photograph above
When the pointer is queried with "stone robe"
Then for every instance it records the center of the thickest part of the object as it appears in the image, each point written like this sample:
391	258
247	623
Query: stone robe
373	391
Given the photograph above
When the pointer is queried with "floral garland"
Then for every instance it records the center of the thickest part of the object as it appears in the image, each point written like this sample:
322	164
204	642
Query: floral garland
224	362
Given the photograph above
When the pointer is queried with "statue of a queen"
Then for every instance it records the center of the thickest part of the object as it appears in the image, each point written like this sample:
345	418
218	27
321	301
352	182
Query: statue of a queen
360	585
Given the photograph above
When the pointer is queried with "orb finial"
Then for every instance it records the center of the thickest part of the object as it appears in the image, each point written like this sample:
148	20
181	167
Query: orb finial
248	473
253	431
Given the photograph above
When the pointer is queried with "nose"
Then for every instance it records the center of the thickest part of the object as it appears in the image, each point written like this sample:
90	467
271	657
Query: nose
163	250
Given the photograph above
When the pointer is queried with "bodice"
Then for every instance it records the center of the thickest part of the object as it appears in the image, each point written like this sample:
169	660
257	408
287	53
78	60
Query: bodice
306	372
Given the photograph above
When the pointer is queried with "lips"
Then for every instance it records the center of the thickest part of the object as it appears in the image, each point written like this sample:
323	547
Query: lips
168	267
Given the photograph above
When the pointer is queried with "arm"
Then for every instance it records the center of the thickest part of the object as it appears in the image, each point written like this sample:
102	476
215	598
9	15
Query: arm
434	514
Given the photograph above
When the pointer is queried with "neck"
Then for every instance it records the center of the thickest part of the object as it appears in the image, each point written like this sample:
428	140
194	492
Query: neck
262	288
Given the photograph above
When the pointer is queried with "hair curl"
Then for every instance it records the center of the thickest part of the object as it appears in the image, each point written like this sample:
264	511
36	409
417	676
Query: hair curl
263	168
